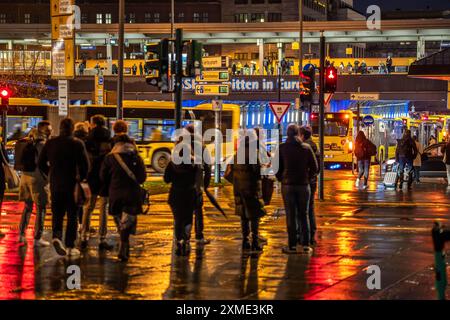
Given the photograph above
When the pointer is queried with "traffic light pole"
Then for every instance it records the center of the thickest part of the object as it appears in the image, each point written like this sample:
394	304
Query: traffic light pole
178	76
119	110
321	115
3	123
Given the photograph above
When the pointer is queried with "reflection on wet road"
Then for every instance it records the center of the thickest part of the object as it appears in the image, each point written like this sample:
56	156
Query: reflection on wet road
356	229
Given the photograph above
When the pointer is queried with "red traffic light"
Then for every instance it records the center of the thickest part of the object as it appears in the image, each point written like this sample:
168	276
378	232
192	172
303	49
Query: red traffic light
330	79
4	93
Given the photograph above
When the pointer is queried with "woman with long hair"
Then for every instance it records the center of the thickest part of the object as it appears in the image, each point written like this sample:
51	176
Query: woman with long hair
362	145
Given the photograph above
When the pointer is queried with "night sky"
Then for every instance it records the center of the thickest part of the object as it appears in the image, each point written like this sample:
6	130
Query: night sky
406	5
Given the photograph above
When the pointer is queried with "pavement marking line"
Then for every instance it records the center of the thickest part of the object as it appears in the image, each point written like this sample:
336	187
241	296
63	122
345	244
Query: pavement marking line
387	204
335	227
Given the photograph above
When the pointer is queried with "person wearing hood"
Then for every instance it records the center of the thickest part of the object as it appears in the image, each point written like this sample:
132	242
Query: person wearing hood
182	173
64	160
245	175
32	188
98	145
122	172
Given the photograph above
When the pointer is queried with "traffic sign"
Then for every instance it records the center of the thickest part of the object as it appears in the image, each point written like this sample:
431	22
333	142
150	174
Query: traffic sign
279	109
368	120
213	76
63	64
364	96
212	89
217	105
62	27
216	62
62	98
61	7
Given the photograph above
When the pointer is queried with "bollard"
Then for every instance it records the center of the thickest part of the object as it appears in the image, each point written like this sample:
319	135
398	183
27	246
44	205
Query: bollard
440	236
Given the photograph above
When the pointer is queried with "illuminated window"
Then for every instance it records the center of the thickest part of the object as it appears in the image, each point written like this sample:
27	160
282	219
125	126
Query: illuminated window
181	17
205	17
27	18
2	18
196	17
257	17
131	18
241	17
156	18
99	18
108	18
147	17
84	18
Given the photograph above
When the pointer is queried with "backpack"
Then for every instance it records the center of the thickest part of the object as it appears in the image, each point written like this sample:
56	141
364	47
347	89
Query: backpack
25	155
371	149
405	147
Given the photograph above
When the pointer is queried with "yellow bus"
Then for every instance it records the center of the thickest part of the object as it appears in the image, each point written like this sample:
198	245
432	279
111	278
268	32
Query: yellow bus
151	123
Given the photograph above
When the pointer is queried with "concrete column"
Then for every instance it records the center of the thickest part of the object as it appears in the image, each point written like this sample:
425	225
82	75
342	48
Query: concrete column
261	56
109	57
420	48
10	54
280	55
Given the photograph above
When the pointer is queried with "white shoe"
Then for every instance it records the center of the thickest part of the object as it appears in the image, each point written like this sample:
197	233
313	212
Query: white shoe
22	240
307	249
73	252
41	242
357	182
365	187
59	247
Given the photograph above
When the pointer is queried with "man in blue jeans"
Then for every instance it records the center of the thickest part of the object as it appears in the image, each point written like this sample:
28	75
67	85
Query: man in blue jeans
405	154
297	164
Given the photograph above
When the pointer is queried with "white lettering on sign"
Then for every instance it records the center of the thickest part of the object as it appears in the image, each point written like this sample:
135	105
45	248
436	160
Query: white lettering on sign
62	98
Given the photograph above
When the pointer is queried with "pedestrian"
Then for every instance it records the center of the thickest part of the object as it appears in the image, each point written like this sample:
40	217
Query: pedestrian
356	68
349	68
97	69
81	132
64	160
245	174
297	164
98	145
114	69
134	69
341	68
233	69
389	64
203	180
364	150
405	154
81	68
32	188
446	159
418	159
266	65
141	69
120	128
182	173
305	134
122	173
4	160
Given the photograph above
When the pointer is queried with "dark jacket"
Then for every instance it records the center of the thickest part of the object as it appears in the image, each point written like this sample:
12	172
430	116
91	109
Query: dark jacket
315	149
182	194
406	147
446	150
62	158
124	192
247	189
297	163
4	159
98	145
361	149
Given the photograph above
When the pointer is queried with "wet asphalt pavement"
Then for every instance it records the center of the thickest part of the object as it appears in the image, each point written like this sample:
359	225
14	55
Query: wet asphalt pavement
356	229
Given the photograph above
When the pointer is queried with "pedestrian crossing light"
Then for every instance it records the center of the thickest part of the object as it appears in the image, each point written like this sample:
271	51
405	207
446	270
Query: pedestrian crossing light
156	67
5	93
330	79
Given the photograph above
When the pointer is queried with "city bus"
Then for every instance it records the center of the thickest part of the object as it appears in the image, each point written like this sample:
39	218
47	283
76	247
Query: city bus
151	123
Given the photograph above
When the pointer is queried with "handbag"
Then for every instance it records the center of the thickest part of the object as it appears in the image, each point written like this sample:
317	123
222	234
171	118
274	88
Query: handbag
267	189
82	193
12	179
145	195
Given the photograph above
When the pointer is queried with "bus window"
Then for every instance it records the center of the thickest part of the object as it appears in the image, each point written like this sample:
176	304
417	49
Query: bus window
207	119
158	130
336	125
134	128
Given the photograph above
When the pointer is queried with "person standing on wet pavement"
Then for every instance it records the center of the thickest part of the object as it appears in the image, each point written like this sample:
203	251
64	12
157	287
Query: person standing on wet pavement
203	180
297	164
98	145
123	172
405	154
4	160
245	175
417	160
305	134
32	188
64	160
363	153
182	173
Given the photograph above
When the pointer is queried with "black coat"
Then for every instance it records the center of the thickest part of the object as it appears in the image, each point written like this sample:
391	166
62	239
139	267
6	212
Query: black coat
124	192
98	145
183	191
247	189
4	160
297	164
62	158
315	149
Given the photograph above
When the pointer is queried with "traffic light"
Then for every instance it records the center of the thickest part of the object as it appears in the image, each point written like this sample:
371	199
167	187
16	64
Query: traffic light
307	85
330	79
5	93
194	51
157	64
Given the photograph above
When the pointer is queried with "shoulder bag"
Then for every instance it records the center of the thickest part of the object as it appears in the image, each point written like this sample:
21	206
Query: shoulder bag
145	195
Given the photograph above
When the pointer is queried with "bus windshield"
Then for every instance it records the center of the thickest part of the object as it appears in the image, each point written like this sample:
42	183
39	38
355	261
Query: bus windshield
336	124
